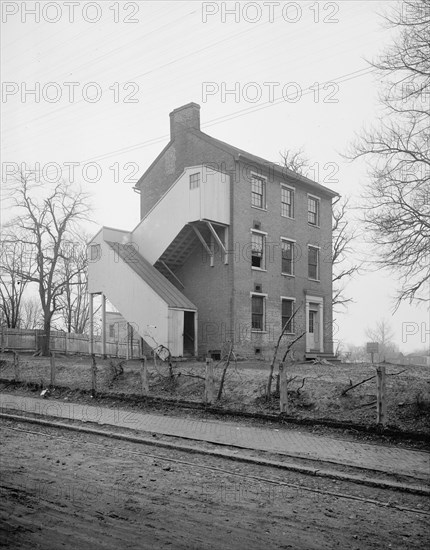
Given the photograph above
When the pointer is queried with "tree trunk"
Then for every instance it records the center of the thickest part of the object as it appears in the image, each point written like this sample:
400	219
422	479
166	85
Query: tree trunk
46	348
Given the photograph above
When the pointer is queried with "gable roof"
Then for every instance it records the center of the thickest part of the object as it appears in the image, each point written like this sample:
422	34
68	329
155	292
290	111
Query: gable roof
281	170
152	277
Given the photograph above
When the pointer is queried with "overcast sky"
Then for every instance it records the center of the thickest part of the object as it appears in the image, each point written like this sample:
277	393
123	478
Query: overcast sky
92	85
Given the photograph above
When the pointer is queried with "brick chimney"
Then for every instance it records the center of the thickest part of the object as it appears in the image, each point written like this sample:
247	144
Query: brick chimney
182	118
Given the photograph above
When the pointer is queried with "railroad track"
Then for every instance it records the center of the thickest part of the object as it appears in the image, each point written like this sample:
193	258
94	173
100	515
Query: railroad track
273	480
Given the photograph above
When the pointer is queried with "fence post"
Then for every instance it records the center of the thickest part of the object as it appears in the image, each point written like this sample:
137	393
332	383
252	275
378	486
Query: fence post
2	339
52	369
66	337
93	375
144	377
381	401
16	366
283	389
209	382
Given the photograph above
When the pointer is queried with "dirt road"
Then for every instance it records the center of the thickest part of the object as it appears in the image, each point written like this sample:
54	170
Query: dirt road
61	489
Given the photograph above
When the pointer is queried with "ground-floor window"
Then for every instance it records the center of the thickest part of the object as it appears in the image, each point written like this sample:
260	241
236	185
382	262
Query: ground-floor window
287	308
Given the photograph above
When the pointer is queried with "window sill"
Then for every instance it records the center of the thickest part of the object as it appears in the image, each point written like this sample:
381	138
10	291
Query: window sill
314	225
255	331
288	275
314	280
259	208
287	217
258	269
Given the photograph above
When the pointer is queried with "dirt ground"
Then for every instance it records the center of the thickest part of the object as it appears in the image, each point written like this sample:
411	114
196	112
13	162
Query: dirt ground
315	391
60	489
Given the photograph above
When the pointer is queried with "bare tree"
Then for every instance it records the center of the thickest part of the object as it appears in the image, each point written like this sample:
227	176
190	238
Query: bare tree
74	302
342	252
287	325
31	314
296	161
342	234
382	333
397	205
13	257
355	354
48	219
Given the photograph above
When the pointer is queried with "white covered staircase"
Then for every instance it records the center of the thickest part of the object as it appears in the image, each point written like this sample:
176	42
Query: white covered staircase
135	270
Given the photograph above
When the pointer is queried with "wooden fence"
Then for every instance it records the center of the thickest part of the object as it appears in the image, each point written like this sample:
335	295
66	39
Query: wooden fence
63	342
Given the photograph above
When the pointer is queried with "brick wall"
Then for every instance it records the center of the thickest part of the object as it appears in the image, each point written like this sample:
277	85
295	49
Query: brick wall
273	283
222	292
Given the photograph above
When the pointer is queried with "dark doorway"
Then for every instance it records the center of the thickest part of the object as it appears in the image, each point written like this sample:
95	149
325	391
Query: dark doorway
189	333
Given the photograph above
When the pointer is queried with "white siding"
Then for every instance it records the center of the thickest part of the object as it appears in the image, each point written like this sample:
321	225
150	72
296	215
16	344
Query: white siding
130	295
179	206
176	331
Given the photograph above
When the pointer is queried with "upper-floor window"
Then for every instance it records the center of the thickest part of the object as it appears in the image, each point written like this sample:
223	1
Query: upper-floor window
111	331
287	307
287	202
313	262
258	192
287	251
194	180
313	210
257	250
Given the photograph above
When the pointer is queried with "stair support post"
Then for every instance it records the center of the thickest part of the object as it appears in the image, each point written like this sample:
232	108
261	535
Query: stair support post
91	315
103	326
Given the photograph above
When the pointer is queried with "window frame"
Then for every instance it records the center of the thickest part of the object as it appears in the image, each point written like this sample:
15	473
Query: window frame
292	325
263	296
95	252
317	212
263	180
318	249
263	236
292	242
192	183
292	190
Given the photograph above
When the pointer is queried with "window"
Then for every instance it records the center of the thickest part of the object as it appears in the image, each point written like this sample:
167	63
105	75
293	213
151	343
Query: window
111	331
287	202
95	252
313	210
257	312
313	263
258	192
215	354
287	308
287	249
257	250
194	180
311	321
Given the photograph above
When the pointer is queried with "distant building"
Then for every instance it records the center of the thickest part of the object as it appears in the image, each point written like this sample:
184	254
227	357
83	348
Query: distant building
228	245
418	360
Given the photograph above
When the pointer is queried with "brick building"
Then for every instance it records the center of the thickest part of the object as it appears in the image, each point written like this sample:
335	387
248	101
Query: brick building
228	246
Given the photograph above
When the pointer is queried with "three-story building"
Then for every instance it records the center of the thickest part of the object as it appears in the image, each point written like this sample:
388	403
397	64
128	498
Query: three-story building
229	245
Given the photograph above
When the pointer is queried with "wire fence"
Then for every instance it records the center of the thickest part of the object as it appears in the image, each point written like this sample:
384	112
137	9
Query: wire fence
393	395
